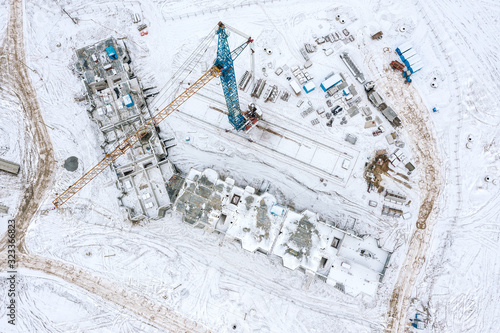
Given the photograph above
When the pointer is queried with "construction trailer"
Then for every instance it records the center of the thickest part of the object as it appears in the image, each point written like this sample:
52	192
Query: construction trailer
295	87
397	65
331	81
403	48
9	167
378	35
415	67
408	54
309	86
413	60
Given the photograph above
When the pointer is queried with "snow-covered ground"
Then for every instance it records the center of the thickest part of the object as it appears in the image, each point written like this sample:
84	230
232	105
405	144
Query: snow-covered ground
48	304
213	282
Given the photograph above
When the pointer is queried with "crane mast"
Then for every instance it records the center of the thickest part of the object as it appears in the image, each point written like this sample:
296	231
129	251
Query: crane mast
224	62
223	67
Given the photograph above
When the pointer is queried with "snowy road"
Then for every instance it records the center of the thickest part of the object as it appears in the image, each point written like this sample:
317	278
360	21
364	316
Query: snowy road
39	155
416	121
39	163
168	276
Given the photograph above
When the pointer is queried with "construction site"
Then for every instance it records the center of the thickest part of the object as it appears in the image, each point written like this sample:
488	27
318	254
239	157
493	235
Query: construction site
320	249
116	103
262	166
136	150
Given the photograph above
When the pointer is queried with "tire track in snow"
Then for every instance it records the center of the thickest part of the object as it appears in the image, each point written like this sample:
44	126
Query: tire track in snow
38	177
38	162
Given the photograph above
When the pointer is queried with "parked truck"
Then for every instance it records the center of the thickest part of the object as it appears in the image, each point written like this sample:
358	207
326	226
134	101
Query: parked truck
397	65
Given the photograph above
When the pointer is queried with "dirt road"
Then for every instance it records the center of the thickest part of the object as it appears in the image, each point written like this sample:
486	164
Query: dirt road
38	167
39	156
140	305
415	118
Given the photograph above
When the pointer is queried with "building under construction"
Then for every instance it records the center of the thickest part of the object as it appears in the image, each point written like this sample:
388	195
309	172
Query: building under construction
351	263
118	107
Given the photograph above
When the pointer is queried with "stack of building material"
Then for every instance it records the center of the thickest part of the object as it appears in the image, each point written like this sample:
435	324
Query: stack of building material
245	79
310	48
352	67
306	112
258	88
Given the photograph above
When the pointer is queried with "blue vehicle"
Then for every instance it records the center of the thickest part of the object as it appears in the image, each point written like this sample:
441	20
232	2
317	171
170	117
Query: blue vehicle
111	53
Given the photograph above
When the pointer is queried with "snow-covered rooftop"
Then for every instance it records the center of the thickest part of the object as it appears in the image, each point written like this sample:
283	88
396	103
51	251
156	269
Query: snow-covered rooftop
300	239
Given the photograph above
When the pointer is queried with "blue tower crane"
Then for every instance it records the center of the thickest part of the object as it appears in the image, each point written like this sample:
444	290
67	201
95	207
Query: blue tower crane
223	67
224	63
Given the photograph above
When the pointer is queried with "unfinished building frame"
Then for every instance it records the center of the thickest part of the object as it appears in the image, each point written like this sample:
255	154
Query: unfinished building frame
118	107
351	263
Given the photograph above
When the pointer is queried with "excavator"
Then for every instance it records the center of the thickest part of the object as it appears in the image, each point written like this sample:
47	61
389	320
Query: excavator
223	67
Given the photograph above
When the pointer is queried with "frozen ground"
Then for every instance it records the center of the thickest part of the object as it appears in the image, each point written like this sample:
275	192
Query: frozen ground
102	267
52	305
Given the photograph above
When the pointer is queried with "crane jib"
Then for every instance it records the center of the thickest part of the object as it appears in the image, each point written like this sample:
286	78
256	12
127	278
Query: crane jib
223	67
224	62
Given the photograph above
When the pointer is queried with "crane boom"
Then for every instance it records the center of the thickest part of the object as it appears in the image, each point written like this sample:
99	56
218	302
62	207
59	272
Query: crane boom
222	66
228	79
